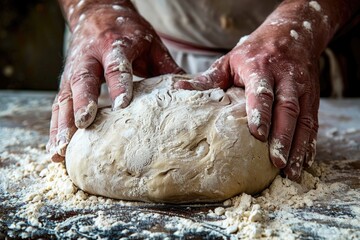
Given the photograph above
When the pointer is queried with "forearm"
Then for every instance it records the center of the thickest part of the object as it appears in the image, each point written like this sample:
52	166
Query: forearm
72	11
312	24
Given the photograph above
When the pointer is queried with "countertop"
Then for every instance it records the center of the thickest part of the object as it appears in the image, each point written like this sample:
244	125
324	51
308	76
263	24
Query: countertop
24	124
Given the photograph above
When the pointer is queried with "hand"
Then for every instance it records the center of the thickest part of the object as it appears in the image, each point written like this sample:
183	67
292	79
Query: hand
109	44
279	72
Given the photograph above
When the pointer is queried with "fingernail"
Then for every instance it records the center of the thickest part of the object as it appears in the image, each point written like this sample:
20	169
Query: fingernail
63	138
51	149
263	131
120	102
294	171
61	146
57	158
86	115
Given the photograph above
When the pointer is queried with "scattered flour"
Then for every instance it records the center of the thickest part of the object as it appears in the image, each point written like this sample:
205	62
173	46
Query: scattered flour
307	25
276	149
117	7
294	34
273	213
37	197
255	117
315	5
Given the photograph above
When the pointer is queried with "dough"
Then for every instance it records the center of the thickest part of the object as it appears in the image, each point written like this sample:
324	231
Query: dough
171	146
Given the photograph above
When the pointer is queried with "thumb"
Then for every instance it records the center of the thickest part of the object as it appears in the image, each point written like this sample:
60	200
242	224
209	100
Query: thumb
217	76
162	61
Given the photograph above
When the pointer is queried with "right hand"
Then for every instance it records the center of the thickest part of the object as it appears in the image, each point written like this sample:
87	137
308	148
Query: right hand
109	43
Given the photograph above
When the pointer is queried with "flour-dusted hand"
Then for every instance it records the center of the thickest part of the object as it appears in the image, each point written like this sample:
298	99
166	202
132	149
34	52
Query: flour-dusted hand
282	94
278	65
110	42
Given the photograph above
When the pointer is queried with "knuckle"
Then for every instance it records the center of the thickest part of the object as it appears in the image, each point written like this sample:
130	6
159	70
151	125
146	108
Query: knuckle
123	42
306	123
315	127
55	107
263	86
260	85
55	104
64	97
78	77
53	133
265	94
119	65
299	151
290	105
259	115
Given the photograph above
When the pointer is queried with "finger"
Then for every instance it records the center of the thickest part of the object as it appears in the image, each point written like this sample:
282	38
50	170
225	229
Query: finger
217	76
66	124
311	152
285	113
85	86
300	143
119	76
51	145
162	61
259	100
310	155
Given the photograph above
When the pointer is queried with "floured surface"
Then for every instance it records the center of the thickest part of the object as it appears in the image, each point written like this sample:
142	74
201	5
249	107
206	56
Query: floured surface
171	146
37	198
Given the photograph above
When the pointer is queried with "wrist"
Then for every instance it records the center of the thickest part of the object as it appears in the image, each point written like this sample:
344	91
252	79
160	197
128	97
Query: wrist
74	13
311	24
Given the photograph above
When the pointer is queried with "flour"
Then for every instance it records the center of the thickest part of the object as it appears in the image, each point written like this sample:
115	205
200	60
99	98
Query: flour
315	5
85	116
268	215
38	198
255	117
80	3
117	7
71	11
307	25
276	149
82	17
294	34
272	213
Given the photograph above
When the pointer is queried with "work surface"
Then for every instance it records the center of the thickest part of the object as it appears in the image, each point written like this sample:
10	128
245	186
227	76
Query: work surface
37	198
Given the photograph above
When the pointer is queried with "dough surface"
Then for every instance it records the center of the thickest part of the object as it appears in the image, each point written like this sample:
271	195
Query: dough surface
172	146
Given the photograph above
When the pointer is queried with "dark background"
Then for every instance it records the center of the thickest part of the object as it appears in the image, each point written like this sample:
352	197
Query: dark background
31	44
31	48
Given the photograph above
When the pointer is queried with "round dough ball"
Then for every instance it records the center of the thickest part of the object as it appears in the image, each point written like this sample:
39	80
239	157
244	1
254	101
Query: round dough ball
172	146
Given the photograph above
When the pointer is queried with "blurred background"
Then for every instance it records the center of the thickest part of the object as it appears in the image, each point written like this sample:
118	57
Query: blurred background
31	44
31	48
